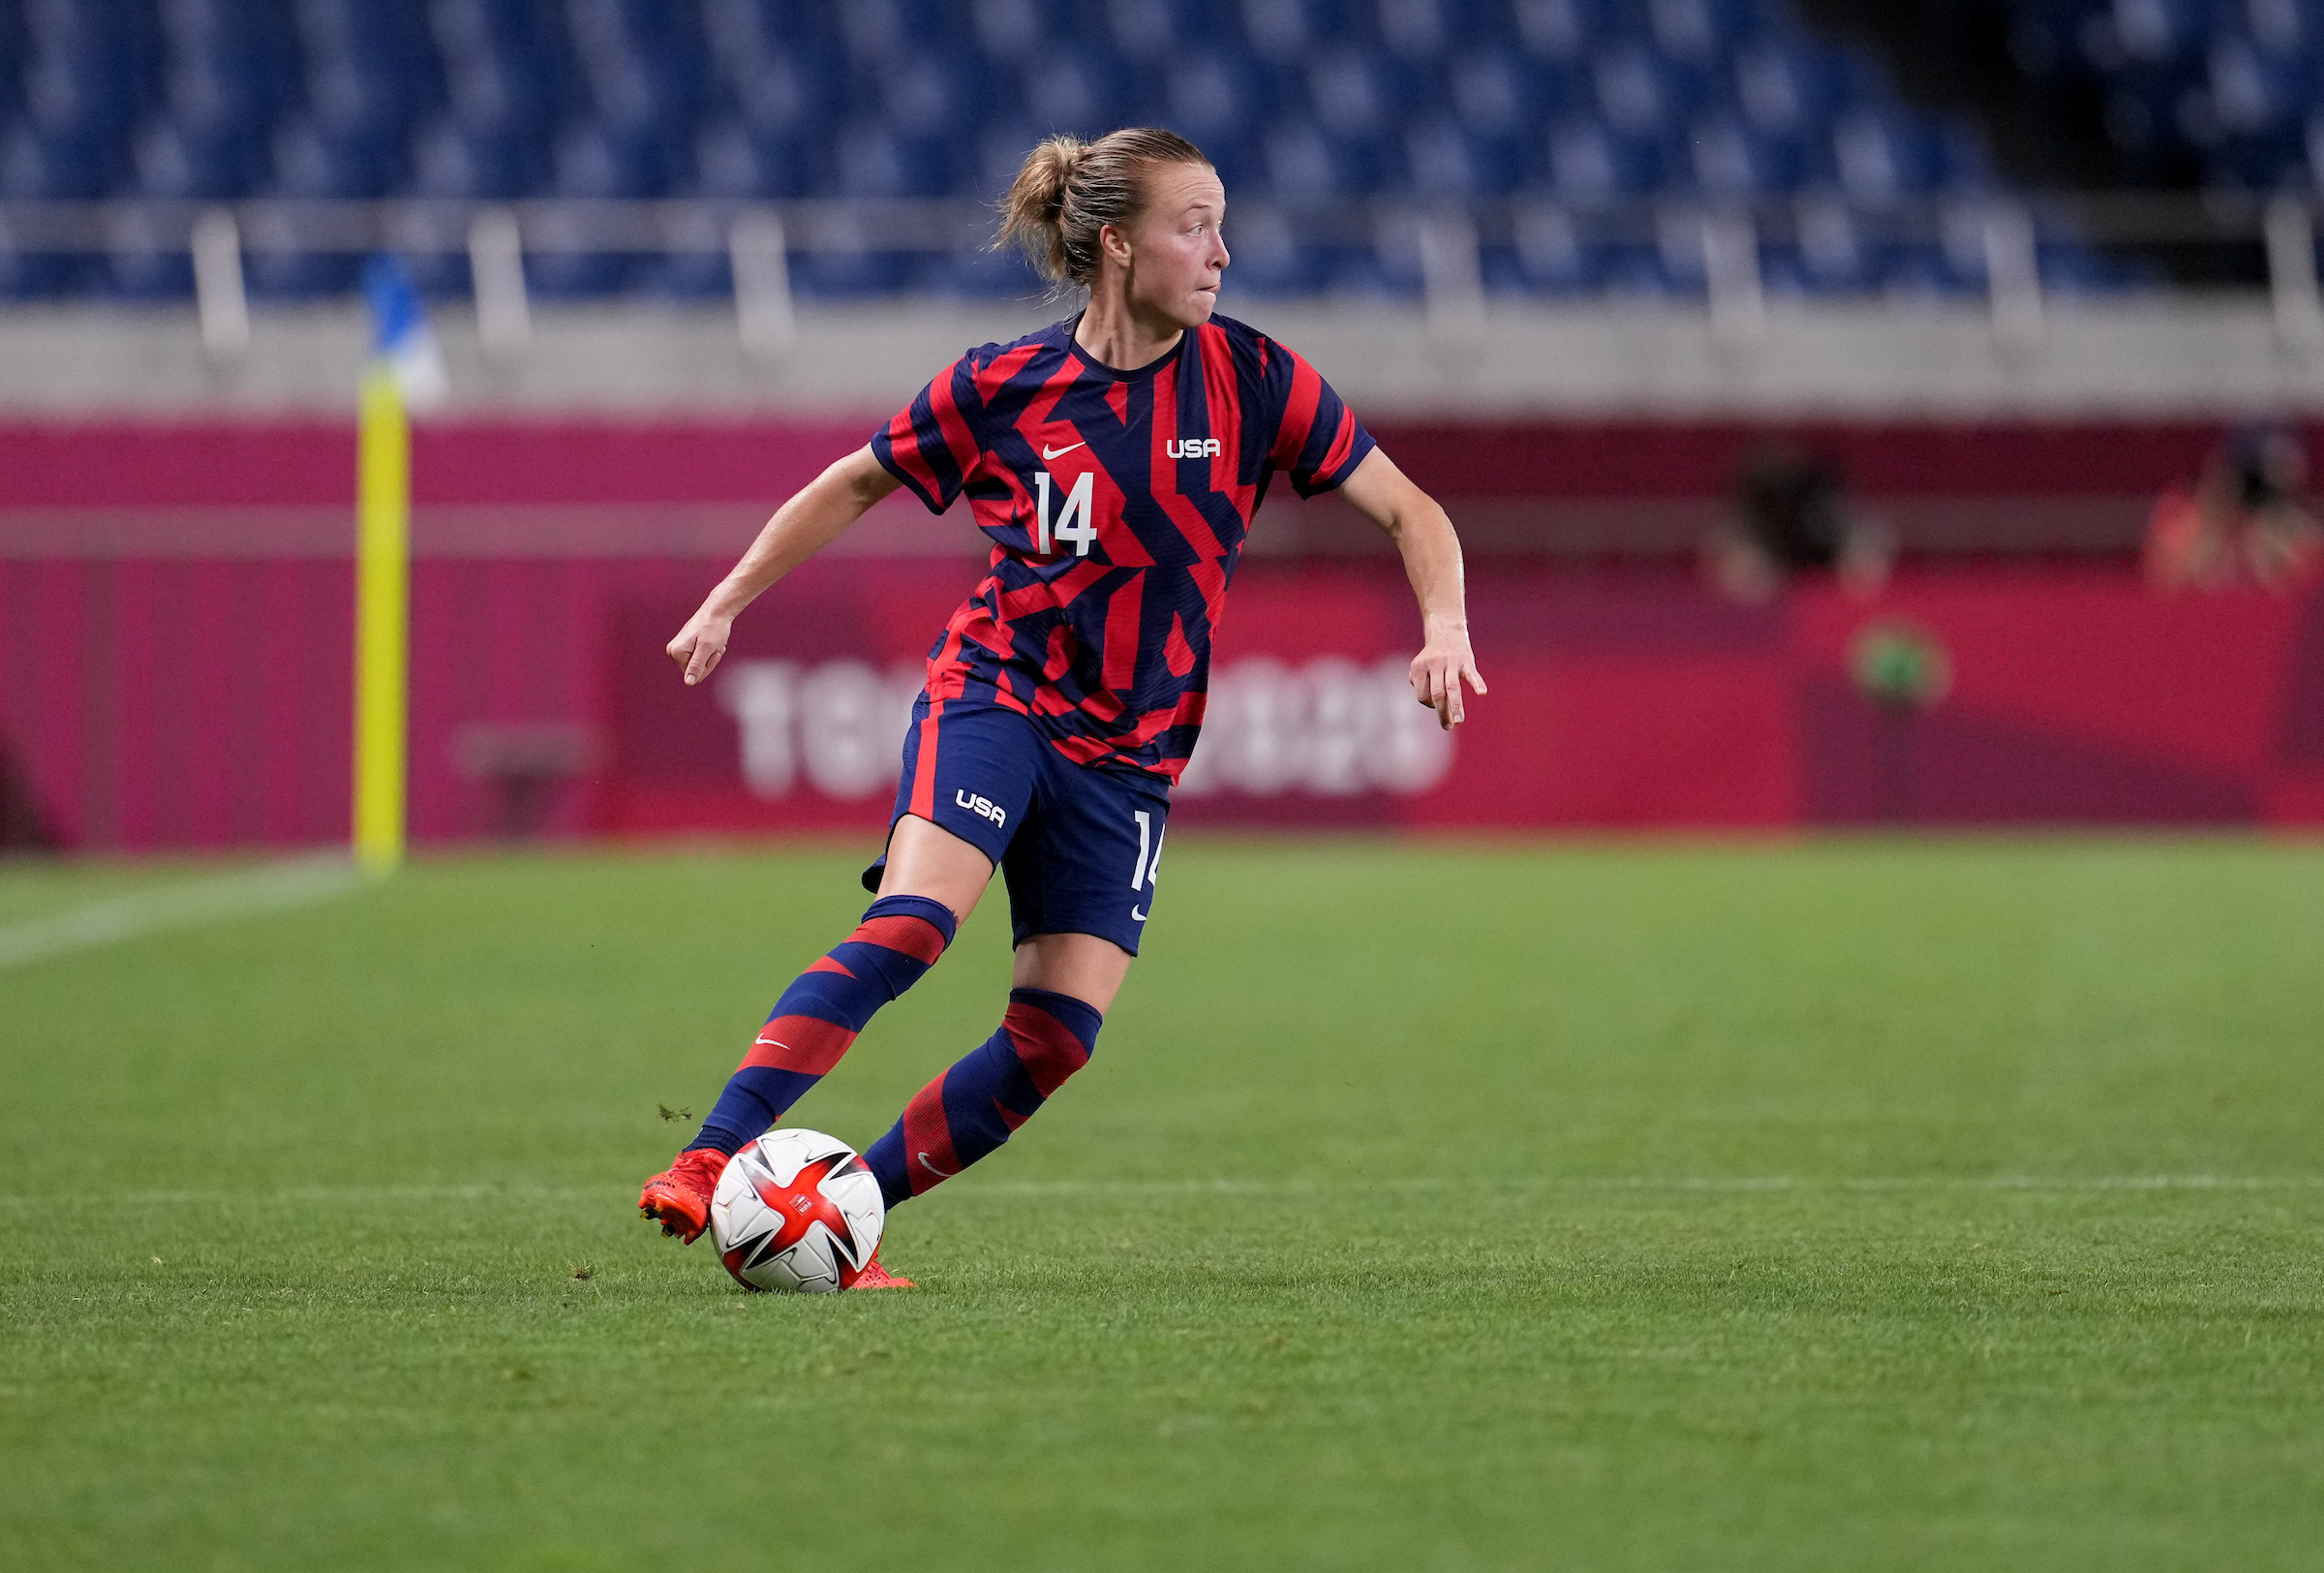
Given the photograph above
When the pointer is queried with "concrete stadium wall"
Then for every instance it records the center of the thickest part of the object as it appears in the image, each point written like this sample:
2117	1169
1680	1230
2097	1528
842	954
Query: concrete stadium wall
2183	356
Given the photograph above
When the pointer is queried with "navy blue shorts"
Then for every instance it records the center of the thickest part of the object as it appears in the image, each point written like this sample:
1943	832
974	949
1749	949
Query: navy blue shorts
1078	846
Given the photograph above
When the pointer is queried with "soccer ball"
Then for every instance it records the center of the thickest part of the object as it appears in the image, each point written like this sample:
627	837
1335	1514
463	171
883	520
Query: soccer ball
798	1211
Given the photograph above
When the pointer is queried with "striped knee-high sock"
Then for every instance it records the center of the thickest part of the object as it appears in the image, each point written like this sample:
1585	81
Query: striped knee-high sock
996	1086
821	1012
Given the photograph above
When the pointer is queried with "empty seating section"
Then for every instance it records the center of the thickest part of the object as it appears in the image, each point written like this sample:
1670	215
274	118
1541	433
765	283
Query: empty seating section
2235	85
1319	113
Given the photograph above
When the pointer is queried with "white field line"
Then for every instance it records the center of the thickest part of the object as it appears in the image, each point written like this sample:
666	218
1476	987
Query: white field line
273	888
1716	1184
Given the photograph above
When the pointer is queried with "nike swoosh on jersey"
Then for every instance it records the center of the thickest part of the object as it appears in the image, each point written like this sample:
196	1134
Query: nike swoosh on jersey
1046	454
942	1174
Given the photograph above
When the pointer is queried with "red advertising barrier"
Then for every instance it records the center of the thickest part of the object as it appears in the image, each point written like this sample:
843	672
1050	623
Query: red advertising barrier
152	704
175	643
2076	696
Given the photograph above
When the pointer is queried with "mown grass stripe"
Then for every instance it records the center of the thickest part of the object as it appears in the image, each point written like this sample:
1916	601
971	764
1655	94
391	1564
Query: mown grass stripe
1721	1185
223	898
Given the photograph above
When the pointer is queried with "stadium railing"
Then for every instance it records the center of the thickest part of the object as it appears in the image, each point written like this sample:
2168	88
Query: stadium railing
1451	255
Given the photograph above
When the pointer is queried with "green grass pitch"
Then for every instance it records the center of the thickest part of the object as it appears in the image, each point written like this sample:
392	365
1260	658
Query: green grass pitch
1837	1206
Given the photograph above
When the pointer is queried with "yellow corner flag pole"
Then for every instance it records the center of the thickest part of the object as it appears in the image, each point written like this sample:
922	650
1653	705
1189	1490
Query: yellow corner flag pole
382	621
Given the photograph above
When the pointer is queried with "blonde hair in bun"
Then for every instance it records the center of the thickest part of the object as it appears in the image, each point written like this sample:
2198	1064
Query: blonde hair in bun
1067	190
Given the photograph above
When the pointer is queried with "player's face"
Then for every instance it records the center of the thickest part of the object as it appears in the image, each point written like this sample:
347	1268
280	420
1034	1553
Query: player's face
1177	253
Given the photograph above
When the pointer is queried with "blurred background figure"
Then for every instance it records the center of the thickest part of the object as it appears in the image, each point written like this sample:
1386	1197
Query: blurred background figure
1791	516
2241	523
22	827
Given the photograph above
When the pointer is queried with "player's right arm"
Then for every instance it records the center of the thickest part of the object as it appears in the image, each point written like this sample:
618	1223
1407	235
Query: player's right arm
802	527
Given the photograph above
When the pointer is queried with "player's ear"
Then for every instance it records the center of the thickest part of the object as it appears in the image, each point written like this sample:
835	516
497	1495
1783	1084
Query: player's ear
1115	243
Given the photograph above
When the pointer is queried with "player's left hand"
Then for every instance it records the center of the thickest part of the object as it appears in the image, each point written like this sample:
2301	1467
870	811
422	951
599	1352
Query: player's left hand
1444	662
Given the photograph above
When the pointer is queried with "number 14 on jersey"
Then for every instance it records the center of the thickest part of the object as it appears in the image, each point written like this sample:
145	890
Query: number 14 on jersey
1072	524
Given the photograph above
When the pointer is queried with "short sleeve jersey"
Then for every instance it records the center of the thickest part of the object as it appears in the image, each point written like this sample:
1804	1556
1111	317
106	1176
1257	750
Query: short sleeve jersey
1118	503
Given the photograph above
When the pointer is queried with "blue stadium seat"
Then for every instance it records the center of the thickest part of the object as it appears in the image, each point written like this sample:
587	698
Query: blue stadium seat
169	163
295	276
1641	93
590	161
219	93
1290	31
1353	92
41	275
1268	262
2256	91
2143	31
1702	30
306	161
872	159
1547	256
978	275
1564	31
1493	94
792	93
1424	30
442	275
1784	276
1446	160
1635	270
1010	30
877	33
1301	164
1360	272
1589	102
1787	87
684	276
1923	270
1828	254
448	160
90	67
849	276
2229	84
1084	91
2069	267
74	101
1679	250
729	162
999	153
1150	31
558	274
490	96
930	92
1882	155
50	163
1723	157
148	274
1211	92
1587	163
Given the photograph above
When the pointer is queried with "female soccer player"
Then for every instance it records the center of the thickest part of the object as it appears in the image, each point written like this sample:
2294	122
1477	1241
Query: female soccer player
1115	459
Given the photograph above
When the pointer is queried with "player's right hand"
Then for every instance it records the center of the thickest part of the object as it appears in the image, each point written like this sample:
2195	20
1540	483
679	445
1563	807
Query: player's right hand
700	644
1442	664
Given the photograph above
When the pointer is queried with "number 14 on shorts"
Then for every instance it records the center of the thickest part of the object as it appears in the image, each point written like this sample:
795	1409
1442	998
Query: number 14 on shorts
1150	857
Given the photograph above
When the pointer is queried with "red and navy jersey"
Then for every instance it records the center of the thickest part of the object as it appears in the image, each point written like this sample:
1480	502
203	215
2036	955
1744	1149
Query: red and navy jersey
1118	503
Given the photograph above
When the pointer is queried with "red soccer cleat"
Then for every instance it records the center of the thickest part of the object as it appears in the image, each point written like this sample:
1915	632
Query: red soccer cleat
679	1198
876	1277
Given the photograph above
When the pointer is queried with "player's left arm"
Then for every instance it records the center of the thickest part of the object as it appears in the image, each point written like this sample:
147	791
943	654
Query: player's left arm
1411	519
